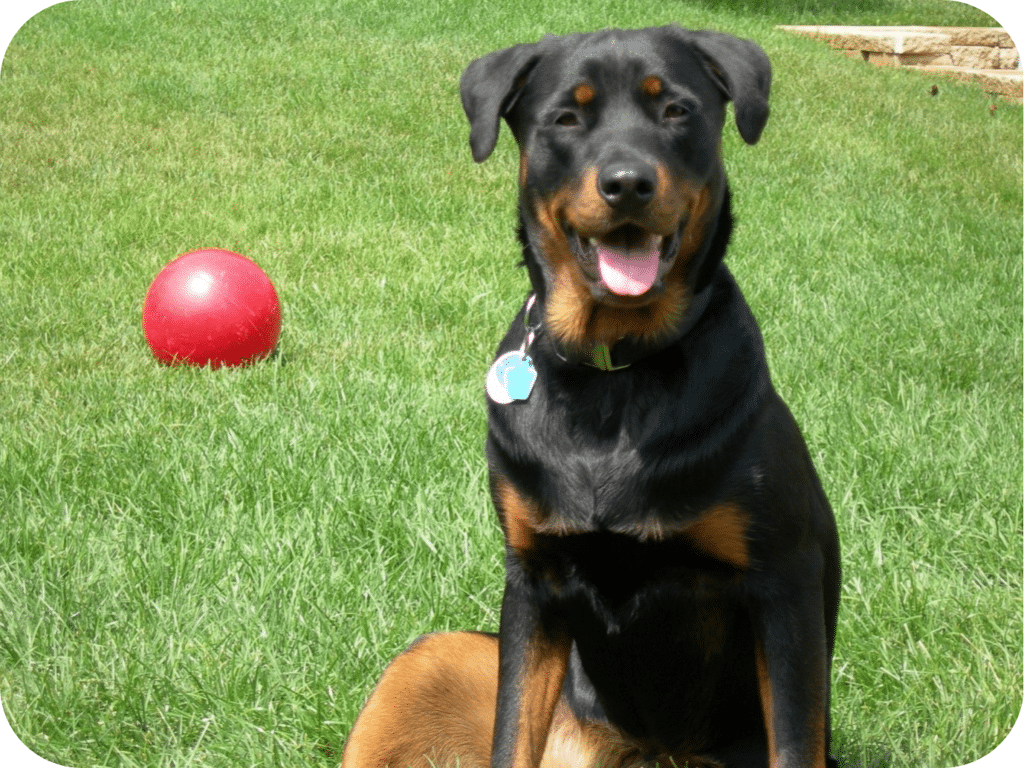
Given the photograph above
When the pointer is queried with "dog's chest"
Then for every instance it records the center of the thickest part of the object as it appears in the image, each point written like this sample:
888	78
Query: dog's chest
600	467
631	484
595	484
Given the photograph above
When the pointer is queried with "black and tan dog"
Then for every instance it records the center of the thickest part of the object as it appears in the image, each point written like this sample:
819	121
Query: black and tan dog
672	565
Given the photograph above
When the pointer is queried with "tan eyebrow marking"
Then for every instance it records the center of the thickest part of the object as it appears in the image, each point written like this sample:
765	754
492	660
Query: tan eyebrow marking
583	94
652	85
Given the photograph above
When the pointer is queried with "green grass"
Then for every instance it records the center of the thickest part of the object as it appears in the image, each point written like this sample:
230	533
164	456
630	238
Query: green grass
212	568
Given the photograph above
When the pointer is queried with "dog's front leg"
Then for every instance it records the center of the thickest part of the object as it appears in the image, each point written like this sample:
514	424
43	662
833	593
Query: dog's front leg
793	672
533	655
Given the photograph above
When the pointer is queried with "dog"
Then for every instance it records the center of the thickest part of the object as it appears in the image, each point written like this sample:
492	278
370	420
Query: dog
672	561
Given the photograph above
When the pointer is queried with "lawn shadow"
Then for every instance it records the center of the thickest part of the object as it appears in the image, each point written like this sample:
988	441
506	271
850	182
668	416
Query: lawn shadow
851	754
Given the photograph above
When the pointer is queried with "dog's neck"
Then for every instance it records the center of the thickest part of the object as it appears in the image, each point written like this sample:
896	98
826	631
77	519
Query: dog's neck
627	350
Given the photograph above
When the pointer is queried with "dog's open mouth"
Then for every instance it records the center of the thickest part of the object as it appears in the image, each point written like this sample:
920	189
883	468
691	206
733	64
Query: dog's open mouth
627	261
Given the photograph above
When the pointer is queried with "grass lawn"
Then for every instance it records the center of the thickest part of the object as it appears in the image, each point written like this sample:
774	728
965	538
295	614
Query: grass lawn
212	567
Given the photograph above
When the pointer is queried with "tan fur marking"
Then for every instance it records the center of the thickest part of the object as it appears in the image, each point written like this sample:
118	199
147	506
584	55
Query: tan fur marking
520	516
592	744
541	688
572	314
721	532
583	94
588	212
652	86
433	706
764	686
777	759
818	729
696	227
651	528
817	719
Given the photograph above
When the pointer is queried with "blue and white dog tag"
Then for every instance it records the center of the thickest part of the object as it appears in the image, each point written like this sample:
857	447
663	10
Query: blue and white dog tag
511	377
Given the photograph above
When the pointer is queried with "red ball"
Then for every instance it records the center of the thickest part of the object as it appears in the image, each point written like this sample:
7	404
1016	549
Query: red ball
211	307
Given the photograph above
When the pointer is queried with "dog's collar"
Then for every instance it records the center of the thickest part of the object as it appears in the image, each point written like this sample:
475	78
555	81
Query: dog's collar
627	350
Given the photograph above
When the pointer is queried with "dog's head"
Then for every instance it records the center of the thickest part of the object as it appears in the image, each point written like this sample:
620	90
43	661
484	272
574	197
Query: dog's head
621	178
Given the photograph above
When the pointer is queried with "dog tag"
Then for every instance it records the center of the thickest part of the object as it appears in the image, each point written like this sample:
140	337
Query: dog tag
511	377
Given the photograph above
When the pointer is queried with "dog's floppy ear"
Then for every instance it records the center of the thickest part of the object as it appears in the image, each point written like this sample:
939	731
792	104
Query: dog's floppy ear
742	71
489	88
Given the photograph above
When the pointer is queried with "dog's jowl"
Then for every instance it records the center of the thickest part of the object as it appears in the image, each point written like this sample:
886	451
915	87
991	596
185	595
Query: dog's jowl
672	565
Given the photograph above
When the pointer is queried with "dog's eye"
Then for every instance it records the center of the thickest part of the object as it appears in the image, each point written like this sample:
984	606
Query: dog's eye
675	111
567	120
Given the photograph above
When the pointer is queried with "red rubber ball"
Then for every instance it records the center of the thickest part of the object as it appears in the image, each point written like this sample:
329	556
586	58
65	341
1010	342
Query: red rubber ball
211	307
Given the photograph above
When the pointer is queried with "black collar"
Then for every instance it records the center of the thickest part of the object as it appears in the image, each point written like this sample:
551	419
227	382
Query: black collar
629	350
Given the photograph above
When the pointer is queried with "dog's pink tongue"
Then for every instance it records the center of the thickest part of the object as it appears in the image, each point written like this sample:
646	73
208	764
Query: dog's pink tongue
629	273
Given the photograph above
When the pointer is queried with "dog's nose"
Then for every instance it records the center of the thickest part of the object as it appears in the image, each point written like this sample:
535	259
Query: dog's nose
627	186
